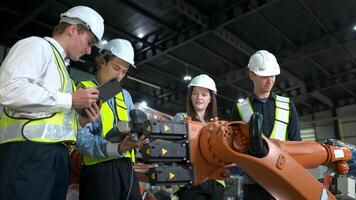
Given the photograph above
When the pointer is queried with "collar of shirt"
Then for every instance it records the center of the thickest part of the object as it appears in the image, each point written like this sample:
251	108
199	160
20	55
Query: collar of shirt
60	49
253	97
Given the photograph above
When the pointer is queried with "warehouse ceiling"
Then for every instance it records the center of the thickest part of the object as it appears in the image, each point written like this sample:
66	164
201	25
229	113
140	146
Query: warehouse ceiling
314	42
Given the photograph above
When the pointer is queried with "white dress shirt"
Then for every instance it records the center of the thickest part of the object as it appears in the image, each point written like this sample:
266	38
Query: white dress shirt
30	81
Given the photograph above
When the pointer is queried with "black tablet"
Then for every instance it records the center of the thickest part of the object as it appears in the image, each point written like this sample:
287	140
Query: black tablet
109	89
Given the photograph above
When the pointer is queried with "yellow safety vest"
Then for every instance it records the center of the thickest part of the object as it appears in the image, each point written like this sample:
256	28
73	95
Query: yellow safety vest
281	121
58	127
107	121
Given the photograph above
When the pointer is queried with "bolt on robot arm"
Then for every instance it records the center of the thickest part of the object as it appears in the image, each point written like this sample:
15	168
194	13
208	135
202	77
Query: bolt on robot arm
278	166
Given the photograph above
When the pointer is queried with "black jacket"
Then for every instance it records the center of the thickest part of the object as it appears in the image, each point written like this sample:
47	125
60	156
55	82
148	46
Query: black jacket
267	109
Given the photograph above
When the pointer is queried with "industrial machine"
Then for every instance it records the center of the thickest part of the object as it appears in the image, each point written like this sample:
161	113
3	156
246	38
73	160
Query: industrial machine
280	167
191	152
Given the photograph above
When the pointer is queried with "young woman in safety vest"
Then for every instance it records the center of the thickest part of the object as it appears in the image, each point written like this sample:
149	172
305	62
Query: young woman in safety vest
107	171
201	106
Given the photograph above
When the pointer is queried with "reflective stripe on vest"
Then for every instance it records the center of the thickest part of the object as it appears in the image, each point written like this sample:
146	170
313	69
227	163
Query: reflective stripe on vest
245	110
281	118
222	182
58	127
281	121
107	121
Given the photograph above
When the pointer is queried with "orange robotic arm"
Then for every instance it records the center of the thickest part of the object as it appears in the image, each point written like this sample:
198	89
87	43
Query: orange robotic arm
281	171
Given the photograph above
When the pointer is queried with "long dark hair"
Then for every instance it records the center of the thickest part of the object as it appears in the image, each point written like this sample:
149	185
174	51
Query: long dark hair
210	112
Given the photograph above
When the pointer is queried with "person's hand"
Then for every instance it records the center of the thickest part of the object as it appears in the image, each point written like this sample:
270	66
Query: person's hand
92	113
127	144
84	97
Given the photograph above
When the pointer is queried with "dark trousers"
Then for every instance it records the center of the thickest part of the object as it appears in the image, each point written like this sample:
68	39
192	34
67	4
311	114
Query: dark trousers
31	170
208	190
109	180
255	192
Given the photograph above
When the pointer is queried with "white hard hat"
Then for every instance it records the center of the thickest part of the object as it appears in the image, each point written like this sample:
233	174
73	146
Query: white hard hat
120	48
87	17
263	63
204	81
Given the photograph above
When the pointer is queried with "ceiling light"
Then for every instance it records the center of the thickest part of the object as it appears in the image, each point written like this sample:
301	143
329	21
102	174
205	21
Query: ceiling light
354	27
143	104
187	78
140	35
101	44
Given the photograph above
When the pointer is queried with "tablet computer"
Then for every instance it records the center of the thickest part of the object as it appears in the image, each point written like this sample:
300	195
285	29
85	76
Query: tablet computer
109	89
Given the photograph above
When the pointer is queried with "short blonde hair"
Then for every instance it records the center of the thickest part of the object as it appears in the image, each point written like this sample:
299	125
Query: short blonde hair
62	26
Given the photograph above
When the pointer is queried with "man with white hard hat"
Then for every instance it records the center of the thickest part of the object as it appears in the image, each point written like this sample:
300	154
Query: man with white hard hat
108	165
280	118
38	120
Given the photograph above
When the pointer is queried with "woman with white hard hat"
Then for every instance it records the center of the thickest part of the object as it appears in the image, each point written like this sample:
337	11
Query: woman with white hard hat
201	106
201	100
107	171
39	121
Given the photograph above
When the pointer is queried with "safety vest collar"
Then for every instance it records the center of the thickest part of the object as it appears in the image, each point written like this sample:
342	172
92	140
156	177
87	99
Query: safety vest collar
60	50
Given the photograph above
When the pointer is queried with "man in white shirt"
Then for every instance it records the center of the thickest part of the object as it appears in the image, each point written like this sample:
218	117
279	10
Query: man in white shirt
38	120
